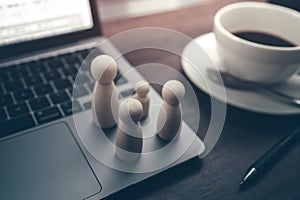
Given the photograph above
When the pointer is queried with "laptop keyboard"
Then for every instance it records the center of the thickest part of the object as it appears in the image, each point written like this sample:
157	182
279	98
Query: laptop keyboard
39	92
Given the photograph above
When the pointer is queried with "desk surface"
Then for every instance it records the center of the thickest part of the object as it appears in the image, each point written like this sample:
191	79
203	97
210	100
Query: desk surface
245	136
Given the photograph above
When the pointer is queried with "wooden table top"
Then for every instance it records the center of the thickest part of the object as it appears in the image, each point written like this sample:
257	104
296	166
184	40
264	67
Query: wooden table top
246	135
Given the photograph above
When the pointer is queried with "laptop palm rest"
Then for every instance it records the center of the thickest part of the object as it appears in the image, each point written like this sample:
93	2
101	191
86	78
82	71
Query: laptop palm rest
45	164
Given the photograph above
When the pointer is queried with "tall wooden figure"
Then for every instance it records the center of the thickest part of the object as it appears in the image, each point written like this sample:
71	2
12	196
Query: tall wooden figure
105	101
129	142
141	93
170	115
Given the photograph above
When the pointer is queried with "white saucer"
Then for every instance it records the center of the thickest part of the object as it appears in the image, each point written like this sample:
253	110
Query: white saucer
252	100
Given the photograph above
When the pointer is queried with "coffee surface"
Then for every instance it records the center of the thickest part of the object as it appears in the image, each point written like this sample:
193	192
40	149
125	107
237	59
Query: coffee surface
264	38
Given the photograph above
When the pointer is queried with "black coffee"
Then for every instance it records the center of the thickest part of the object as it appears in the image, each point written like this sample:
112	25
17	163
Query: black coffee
264	38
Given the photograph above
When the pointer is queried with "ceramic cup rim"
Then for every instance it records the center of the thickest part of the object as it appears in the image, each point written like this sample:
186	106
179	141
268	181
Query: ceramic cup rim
232	7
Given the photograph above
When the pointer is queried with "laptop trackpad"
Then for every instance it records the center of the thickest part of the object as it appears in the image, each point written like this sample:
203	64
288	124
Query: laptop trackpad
45	164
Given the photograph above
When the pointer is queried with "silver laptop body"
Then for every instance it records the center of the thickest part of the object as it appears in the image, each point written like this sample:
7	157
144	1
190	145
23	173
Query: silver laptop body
48	143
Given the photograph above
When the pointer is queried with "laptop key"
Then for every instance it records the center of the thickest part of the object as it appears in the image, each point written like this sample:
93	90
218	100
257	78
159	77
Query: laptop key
14	85
126	93
33	80
54	62
71	58
59	97
30	65
18	71
87	105
62	84
119	79
70	71
3	115
82	78
79	91
23	95
16	124
5	100
91	86
83	53
1	89
52	75
43	89
70	107
39	103
3	76
37	67
17	109
47	115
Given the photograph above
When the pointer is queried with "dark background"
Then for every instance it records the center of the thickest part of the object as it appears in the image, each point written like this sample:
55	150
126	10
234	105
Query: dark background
245	136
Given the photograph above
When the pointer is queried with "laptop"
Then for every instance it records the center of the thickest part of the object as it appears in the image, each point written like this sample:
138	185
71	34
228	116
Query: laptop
43	155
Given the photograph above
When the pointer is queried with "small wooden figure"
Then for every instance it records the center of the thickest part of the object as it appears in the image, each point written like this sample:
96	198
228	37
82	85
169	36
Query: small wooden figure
129	142
141	93
170	115
105	101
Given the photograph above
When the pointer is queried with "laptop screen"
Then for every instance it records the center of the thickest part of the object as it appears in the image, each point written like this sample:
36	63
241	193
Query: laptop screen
24	20
28	26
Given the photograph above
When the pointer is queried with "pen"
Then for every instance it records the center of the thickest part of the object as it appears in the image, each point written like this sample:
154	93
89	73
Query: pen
271	155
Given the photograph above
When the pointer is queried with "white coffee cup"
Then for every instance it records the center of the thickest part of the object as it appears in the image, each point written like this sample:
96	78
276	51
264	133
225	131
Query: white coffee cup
254	61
